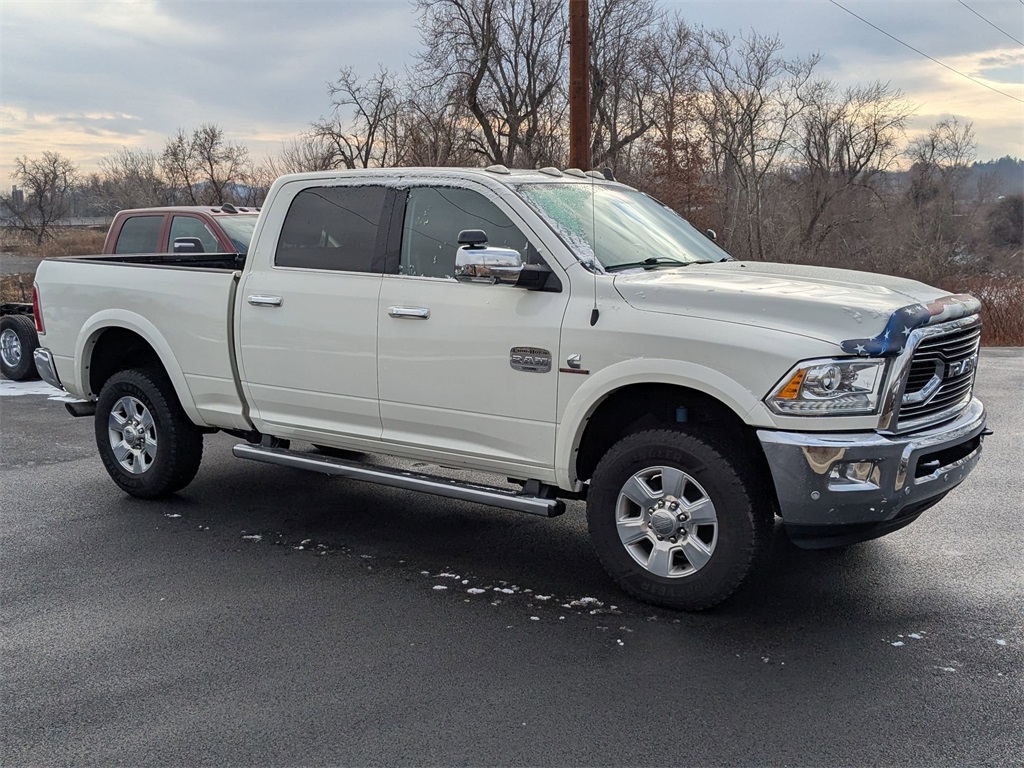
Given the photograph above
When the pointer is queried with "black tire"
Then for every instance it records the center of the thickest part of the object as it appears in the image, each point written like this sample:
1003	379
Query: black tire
696	563
18	342
167	448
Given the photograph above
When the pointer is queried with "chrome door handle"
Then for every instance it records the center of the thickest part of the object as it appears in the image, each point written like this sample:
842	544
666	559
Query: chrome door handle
266	301
409	313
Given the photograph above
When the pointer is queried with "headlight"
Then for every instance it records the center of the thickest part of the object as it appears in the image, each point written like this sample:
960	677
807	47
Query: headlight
843	387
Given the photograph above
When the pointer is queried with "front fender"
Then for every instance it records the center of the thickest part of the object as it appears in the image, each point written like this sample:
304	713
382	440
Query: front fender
603	383
94	327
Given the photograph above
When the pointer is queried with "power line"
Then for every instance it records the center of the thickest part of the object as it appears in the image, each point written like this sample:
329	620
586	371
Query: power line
1000	29
922	53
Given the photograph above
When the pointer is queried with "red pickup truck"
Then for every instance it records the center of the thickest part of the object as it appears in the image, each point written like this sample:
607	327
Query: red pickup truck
182	229
177	229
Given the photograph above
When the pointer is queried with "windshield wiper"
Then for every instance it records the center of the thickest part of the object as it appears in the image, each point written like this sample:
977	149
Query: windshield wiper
652	262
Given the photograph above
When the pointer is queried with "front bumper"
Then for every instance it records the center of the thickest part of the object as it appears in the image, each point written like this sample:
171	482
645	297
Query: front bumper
835	489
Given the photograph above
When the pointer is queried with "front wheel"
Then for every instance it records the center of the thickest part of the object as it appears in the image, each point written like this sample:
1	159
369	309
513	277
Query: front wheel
148	445
673	519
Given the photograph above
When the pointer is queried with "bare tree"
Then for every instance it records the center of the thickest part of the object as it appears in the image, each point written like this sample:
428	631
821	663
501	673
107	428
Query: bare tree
507	58
43	198
752	99
205	168
129	178
845	141
368	137
624	35
436	126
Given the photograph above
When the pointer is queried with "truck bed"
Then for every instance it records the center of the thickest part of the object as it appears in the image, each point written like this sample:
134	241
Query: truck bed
181	305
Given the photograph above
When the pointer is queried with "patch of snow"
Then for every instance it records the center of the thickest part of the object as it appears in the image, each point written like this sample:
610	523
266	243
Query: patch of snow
535	618
253	537
440	586
1000	642
584	602
505	591
10	388
915	636
620	642
543	597
447	575
947	669
170	514
898	643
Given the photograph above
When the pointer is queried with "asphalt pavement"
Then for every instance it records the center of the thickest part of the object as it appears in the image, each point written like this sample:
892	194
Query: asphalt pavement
266	616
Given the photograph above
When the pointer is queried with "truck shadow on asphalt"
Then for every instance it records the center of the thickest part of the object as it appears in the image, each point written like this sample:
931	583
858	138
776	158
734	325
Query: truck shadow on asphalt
389	529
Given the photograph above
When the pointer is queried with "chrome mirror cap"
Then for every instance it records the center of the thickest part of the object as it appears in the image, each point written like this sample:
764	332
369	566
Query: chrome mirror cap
488	265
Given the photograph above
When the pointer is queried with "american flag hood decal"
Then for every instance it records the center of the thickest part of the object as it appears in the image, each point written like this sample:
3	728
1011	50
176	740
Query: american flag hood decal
893	338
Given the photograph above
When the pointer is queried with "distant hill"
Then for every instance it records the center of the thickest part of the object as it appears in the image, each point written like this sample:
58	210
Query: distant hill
993	178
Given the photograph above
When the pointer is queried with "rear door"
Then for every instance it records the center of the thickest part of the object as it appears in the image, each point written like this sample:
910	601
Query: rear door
307	333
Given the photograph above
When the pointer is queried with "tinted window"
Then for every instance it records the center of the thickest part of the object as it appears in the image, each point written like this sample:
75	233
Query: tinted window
434	216
189	226
140	234
334	228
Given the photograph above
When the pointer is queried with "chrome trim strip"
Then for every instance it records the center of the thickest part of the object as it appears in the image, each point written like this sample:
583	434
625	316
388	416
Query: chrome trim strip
410	481
46	368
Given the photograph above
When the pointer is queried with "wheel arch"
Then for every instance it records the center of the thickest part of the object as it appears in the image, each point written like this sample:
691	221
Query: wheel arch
666	394
114	341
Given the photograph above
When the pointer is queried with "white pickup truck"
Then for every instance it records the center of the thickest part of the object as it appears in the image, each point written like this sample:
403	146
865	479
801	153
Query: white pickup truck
551	327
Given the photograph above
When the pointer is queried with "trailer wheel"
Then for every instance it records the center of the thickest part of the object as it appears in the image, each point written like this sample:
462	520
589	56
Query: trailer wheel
148	445
674	519
18	342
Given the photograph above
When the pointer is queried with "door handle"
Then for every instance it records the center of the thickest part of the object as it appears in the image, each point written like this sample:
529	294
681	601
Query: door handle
409	313
265	301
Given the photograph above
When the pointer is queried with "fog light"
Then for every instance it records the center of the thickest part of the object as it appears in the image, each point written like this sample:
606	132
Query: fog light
855	473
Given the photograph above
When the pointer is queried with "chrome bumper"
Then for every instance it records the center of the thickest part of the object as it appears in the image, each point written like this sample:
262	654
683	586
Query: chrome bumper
47	370
835	489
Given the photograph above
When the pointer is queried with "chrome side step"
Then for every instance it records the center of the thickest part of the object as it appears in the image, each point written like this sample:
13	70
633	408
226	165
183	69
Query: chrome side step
410	481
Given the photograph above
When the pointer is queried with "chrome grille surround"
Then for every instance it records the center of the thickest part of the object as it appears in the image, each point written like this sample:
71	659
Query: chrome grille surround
932	380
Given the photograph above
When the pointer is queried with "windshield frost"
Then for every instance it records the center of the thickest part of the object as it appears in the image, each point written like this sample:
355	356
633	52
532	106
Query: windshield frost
618	226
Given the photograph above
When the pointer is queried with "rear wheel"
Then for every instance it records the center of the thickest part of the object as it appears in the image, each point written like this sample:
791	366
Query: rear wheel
673	519
18	343
148	445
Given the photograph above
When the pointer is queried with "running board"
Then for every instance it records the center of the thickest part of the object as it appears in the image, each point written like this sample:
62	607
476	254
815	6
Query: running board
410	481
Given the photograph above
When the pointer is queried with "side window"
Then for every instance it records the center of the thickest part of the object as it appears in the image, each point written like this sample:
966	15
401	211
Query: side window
434	216
140	234
334	228
190	226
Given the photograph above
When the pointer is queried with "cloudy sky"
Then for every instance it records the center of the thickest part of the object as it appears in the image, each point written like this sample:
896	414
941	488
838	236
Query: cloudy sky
87	78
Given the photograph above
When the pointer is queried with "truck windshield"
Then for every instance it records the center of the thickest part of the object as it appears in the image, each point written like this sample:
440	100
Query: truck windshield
619	227
239	229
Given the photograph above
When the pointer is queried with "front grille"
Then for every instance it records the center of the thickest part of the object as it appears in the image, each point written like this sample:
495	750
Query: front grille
940	382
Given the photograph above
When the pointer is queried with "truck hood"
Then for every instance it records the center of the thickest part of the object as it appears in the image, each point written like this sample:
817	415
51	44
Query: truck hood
865	313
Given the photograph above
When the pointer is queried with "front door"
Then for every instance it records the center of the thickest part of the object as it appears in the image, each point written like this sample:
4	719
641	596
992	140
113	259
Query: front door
466	368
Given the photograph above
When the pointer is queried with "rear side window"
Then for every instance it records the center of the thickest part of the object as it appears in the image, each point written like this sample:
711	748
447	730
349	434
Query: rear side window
190	226
140	234
335	228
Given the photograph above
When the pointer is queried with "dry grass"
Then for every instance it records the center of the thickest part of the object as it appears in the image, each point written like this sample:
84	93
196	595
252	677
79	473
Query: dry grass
1002	307
16	288
69	241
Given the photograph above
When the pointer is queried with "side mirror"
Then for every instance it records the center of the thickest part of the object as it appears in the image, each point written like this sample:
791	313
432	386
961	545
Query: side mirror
480	264
188	245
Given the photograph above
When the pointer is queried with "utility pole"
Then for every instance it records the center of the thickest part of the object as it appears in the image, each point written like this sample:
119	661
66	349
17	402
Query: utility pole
579	84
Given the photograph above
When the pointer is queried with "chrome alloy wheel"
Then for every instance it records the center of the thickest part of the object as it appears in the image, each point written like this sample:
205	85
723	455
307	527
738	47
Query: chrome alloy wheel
10	348
666	522
132	434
